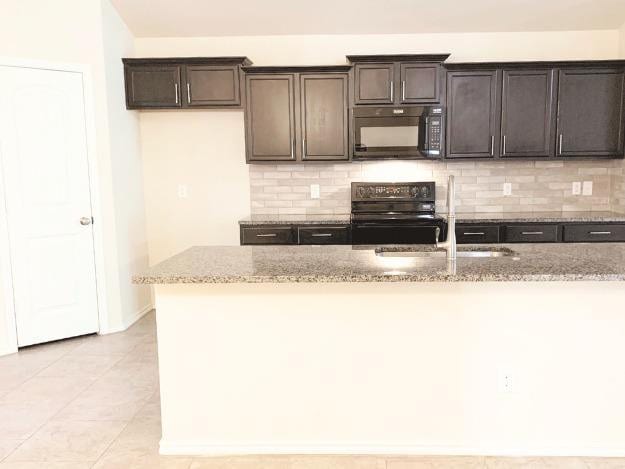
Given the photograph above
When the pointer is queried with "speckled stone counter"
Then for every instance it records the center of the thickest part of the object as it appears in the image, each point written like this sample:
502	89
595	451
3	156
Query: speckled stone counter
542	217
295	219
295	264
486	217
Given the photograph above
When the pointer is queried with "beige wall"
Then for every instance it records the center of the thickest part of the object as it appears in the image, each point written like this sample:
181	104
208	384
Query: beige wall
76	31
203	150
304	50
126	173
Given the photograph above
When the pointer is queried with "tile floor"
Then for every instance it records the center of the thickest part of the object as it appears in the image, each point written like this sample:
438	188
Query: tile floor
93	402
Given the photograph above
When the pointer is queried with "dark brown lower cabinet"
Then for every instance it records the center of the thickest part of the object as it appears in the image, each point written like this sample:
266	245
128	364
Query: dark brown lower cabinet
477	234
532	233
296	234
323	234
270	234
594	233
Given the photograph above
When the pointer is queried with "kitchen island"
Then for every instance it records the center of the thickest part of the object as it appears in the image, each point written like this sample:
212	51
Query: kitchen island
341	349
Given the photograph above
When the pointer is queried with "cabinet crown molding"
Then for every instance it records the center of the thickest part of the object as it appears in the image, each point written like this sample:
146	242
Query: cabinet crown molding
297	69
533	64
398	58
244	61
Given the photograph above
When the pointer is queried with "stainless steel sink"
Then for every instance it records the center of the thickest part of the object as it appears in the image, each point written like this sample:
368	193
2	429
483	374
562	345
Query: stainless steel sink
441	253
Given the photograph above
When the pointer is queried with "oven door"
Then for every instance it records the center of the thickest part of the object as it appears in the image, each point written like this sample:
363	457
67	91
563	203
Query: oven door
396	233
390	137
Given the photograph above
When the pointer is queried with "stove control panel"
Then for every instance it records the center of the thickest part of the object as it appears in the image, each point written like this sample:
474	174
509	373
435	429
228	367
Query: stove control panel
412	191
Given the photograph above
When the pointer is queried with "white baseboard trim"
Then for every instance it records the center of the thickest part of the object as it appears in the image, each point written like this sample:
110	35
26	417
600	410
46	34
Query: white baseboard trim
7	351
130	320
173	448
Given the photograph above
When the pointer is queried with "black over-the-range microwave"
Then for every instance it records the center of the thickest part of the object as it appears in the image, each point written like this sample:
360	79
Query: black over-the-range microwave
398	132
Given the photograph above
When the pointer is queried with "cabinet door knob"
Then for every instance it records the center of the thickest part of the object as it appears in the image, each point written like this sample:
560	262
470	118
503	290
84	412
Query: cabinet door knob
84	221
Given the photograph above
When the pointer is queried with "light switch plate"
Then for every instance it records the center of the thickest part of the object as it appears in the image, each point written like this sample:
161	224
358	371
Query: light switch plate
315	191
587	188
576	188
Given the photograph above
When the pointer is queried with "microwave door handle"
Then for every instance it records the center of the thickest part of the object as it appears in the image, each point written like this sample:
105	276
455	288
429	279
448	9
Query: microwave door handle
426	134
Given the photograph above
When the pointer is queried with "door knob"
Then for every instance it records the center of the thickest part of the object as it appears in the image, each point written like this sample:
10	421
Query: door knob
85	221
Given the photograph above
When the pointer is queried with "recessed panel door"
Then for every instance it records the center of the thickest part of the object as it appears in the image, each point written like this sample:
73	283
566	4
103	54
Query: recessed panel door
45	172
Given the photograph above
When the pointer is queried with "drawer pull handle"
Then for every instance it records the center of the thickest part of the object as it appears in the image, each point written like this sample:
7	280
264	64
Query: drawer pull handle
597	233
266	235
477	233
532	232
321	235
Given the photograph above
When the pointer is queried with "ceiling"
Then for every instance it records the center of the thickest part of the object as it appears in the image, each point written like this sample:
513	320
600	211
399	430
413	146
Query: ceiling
180	18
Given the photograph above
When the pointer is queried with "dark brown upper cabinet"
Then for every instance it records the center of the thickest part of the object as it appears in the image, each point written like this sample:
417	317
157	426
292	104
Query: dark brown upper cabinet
374	83
297	113
270	117
153	86
212	85
419	83
472	124
323	116
590	112
170	83
397	79
528	113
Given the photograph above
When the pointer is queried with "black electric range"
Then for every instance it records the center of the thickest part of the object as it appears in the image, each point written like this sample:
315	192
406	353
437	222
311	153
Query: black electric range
395	213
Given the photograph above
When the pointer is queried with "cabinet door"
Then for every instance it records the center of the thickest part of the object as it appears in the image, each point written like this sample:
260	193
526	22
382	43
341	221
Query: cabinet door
471	116
590	112
527	114
419	83
323	110
153	86
209	85
374	83
270	117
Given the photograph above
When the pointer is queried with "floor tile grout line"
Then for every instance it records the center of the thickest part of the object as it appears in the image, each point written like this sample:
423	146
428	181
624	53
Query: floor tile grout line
51	418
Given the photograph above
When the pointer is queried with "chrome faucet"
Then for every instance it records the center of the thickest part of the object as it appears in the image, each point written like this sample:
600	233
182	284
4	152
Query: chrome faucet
450	243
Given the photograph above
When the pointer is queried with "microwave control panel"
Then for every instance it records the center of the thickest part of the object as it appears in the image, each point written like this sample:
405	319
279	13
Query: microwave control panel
434	135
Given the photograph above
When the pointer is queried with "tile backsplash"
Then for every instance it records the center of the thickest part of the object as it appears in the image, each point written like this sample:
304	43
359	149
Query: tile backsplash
537	186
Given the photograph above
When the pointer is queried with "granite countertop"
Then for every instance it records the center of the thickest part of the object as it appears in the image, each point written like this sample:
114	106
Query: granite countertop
541	217
292	264
486	217
341	218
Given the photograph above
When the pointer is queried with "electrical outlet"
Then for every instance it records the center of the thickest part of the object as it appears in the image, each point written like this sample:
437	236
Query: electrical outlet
507	188
576	188
183	191
587	188
505	381
315	191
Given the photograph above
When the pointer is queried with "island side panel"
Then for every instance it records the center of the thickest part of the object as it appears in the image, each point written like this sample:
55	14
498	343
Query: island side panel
392	368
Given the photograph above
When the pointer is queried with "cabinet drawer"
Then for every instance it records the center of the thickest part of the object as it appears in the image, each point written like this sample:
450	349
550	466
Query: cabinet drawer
323	235
267	235
593	233
531	234
468	234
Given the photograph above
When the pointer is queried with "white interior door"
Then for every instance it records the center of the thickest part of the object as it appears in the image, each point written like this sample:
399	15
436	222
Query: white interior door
43	150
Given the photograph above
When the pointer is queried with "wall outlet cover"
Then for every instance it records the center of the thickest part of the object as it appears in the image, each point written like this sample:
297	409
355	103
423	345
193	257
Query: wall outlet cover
576	188
315	191
507	188
183	191
587	188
